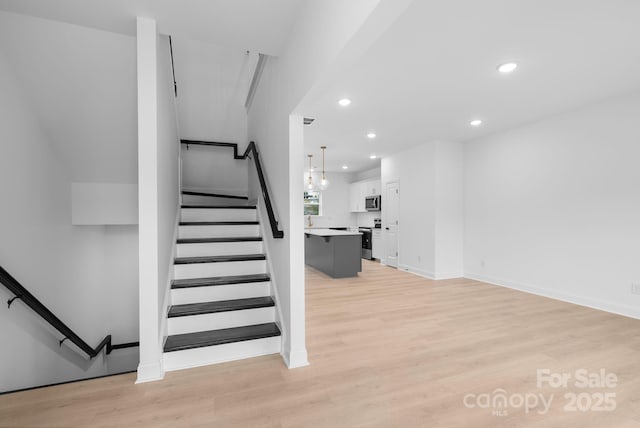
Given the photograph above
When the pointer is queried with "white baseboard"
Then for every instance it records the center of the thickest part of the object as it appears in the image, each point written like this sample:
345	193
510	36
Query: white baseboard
416	271
429	274
449	275
295	359
612	307
150	372
166	299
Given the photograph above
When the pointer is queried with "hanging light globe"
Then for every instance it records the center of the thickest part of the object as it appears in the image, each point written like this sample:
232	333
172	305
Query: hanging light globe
309	184
324	182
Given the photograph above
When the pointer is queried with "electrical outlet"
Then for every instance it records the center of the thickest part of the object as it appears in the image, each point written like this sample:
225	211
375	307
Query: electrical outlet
482	264
635	288
419	259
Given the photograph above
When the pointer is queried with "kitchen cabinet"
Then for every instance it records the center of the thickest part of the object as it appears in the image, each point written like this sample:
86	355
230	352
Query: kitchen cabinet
372	188
356	197
334	252
376	244
359	190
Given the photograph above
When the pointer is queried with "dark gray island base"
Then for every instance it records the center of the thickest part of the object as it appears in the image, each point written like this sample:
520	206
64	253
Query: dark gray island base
334	252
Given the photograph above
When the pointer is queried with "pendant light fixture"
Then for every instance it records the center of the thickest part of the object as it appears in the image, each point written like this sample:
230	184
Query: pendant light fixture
310	185
324	183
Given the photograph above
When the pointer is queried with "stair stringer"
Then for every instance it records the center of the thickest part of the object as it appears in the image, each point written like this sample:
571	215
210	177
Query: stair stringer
274	289
166	298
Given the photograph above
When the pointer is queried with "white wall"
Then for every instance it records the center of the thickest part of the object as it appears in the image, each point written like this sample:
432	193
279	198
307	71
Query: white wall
321	33
81	83
430	234
552	207
214	170
86	275
150	366
211	80
212	88
104	203
449	205
335	201
269	128
373	173
158	157
168	169
414	169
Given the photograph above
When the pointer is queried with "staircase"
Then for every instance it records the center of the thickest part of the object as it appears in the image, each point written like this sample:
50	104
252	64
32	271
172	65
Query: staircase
222	309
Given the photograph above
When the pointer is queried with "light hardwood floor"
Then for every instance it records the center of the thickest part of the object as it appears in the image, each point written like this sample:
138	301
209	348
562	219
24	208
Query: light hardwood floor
387	349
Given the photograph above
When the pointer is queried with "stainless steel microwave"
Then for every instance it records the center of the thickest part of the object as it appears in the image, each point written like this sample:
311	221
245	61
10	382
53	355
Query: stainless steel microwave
372	203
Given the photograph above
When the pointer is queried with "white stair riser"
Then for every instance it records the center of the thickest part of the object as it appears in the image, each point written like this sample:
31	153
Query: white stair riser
218	231
183	296
204	322
208	270
220	353
219	214
219	249
210	200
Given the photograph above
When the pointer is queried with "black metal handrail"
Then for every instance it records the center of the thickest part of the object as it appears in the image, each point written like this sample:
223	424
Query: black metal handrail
251	150
30	300
173	69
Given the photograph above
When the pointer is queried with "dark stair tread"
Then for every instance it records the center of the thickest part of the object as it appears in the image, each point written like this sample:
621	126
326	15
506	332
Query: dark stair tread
219	259
180	342
214	195
234	207
220	306
216	240
219	280
218	223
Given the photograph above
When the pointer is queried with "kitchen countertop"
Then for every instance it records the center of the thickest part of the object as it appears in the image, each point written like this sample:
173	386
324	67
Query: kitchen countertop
330	232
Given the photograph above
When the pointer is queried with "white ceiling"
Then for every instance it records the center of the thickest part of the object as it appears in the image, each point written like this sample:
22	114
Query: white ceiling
257	25
435	69
81	86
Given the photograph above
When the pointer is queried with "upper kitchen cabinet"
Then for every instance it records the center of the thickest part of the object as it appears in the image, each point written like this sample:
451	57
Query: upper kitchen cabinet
356	197
372	188
358	191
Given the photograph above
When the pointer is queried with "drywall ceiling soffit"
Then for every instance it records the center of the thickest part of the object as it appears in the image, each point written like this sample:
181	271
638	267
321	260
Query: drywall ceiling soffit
257	25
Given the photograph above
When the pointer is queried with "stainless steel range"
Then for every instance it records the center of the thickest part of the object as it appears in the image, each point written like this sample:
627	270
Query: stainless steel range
366	242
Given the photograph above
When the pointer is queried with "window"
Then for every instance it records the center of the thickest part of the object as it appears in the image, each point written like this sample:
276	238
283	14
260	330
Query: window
312	203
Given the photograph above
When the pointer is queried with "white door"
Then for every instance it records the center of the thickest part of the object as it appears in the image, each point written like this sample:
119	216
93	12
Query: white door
390	205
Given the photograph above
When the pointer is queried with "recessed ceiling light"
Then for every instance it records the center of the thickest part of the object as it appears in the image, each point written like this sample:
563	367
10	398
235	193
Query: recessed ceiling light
475	122
345	167
373	157
371	135
344	102
507	67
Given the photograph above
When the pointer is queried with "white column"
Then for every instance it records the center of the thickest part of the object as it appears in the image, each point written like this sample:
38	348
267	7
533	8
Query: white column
296	355
150	367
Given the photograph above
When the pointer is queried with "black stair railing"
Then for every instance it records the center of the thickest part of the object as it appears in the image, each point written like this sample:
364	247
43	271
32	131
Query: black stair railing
251	152
173	68
30	300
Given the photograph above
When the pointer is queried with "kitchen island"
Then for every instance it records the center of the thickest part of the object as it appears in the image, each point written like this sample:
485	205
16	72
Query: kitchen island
337	253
